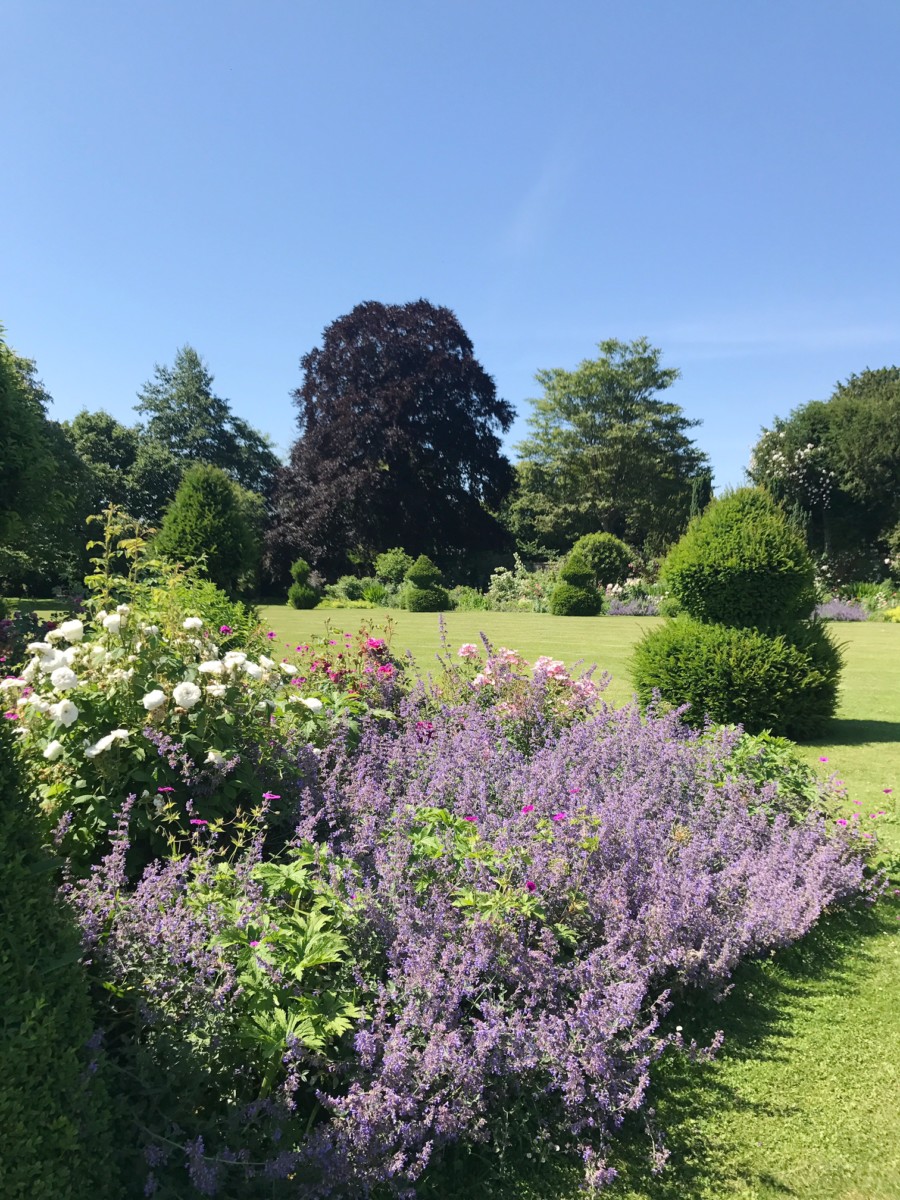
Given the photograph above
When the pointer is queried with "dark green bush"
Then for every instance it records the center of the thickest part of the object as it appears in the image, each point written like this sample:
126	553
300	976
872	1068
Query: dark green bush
206	522
786	683
56	1134
567	600
607	556
301	595
423	573
741	563
427	599
577	571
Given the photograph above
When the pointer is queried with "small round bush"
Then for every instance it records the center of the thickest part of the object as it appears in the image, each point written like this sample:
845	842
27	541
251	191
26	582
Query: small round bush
786	682
428	599
391	567
301	595
423	573
607	556
741	563
567	600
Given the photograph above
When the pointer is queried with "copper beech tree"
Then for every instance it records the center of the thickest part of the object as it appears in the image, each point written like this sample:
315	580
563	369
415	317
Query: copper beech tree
399	443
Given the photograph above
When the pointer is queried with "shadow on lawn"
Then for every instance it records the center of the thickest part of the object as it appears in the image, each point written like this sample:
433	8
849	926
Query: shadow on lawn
846	732
757	1019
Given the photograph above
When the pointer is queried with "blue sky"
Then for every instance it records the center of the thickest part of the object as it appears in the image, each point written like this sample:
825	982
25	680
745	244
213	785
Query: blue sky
721	176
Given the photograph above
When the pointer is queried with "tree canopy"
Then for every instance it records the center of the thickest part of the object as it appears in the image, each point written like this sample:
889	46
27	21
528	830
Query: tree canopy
398	442
185	416
836	464
607	453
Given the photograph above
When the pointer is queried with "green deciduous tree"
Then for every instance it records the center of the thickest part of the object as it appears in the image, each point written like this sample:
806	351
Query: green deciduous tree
836	465
607	453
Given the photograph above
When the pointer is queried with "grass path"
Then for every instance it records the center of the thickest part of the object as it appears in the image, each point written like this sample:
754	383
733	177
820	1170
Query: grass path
803	1103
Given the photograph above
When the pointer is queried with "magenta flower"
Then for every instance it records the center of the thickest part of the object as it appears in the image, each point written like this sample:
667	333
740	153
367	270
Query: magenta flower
11	716
198	821
530	884
254	944
841	821
165	789
271	796
560	816
887	791
271	635
823	759
225	629
527	808
474	820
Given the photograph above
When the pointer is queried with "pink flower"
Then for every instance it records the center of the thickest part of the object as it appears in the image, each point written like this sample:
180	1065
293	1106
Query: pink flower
165	789
560	816
530	884
823	759
841	821
198	821
11	716
271	634
374	643
225	629
254	944
474	820
386	669
271	796
887	791
527	808
467	650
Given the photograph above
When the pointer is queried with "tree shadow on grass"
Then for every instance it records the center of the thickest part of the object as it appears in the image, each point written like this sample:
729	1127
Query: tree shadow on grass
847	732
758	1019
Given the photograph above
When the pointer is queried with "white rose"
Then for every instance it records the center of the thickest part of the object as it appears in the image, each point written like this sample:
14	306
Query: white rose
253	670
150	630
53	750
64	678
70	654
234	659
104	743
311	702
287	668
186	694
216	757
49	662
65	712
266	662
212	667
30	671
123	610
216	690
39	647
72	631
113	623
54	635
11	682
192	623
36	702
153	700
98	652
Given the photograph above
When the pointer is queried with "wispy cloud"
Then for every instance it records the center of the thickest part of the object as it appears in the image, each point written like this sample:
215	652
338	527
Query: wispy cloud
532	217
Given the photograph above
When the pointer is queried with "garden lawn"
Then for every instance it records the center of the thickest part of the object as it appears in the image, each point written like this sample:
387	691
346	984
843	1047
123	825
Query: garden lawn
804	1100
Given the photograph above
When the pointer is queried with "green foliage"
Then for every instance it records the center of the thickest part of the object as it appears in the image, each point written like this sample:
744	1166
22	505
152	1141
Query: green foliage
607	556
392	565
575	570
426	599
300	570
606	453
55	1114
301	595
768	759
377	593
742	564
205	521
569	600
423	573
786	683
348	587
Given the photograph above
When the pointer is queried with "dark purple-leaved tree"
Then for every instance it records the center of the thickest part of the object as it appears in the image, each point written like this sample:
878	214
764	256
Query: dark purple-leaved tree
399	443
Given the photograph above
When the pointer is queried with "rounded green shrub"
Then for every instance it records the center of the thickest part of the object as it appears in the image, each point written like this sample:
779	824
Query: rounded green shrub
568	600
57	1130
301	595
741	563
577	571
784	682
428	599
423	573
391	567
206	523
607	556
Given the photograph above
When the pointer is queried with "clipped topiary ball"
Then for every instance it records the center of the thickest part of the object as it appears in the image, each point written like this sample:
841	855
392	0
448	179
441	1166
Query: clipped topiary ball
300	571
785	682
301	595
567	600
741	563
429	599
423	573
577	571
607	556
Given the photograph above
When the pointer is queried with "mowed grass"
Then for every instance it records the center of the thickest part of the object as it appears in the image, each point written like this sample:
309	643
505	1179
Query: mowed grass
803	1102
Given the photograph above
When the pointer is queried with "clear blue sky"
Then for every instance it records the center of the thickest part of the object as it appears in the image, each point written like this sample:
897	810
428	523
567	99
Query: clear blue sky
722	176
